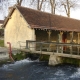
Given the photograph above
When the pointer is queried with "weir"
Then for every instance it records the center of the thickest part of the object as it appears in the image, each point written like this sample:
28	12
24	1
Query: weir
56	50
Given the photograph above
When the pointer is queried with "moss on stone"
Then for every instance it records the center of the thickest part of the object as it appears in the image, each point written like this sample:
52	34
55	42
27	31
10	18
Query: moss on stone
44	57
19	56
71	61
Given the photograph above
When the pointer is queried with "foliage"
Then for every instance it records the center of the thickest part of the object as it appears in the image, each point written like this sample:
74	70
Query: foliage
1	43
19	2
71	61
19	56
44	57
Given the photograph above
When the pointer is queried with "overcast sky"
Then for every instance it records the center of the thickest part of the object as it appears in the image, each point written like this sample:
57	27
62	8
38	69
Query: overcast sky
4	12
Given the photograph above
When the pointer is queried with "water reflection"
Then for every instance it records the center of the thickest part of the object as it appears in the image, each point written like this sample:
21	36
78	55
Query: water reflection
35	70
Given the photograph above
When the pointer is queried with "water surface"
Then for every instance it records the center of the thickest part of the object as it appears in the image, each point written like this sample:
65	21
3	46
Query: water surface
35	70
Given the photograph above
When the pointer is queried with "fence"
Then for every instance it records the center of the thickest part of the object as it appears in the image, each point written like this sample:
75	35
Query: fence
22	44
69	48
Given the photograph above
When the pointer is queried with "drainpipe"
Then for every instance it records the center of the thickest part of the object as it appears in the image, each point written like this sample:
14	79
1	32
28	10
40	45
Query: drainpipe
10	51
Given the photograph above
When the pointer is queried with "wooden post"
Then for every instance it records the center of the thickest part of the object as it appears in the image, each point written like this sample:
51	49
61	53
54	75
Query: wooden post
60	41
78	37
26	44
71	41
71	35
78	42
41	47
61	34
49	35
57	45
57	49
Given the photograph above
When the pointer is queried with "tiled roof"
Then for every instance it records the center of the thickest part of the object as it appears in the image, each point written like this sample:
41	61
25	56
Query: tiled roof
38	19
1	21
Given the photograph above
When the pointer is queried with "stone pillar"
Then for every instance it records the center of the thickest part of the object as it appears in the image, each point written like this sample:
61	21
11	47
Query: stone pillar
71	36
49	35
54	60
61	34
78	38
60	49
49	38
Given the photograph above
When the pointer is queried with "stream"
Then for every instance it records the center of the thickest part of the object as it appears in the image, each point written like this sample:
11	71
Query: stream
35	70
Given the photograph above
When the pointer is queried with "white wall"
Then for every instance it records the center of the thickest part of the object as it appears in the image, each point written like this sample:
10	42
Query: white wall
17	30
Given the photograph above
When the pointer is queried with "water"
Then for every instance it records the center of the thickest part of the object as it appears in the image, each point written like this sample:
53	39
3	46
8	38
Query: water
35	70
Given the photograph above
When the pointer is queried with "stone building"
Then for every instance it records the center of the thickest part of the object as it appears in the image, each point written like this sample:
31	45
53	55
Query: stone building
27	24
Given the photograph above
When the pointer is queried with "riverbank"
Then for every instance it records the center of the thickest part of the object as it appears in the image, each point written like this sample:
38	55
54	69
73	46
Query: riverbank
19	55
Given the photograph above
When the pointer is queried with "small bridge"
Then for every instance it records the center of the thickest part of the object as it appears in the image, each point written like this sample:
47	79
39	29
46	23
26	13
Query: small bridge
54	49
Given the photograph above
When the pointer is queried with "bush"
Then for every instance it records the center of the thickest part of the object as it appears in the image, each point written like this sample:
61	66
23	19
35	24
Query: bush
1	43
19	56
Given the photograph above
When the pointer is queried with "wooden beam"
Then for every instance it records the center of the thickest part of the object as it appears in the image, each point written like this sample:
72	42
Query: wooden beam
60	49
71	41
78	42
78	38
71	37
51	53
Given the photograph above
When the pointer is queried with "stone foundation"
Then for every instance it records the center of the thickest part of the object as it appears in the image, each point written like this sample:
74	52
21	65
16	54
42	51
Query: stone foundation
54	60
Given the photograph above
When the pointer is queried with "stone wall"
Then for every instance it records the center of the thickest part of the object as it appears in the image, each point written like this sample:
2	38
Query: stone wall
17	30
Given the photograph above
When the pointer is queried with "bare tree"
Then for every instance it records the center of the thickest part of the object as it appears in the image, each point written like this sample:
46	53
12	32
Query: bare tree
19	2
45	5
39	3
53	5
4	7
68	5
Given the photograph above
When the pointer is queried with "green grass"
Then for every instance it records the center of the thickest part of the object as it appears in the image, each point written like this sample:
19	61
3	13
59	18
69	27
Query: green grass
1	43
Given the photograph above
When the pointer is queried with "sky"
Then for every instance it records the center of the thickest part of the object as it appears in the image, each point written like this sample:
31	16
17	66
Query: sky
4	12
76	14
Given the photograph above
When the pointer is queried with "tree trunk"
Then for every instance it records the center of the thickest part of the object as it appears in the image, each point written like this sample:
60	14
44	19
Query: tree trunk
19	2
68	6
52	2
39	4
